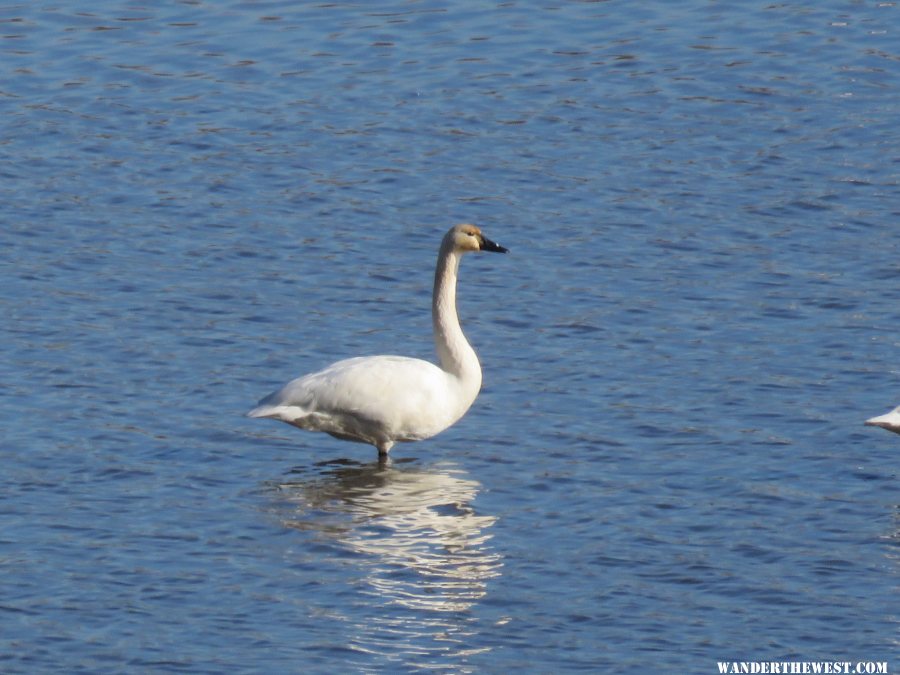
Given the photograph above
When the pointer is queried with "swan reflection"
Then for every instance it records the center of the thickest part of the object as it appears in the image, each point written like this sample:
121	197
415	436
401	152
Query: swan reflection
425	547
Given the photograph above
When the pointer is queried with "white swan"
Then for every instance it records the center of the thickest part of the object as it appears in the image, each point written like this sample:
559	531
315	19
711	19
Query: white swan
385	399
889	421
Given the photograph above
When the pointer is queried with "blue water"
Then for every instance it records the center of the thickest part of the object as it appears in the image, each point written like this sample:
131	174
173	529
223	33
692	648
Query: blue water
667	465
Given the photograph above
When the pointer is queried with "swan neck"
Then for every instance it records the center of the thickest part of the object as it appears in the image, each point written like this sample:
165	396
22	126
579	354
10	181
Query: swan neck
455	353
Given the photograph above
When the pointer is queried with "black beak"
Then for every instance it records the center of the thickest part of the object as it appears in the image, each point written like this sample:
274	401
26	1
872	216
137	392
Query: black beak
488	245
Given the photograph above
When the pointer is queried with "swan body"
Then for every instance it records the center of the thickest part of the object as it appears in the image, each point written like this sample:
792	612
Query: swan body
889	421
381	400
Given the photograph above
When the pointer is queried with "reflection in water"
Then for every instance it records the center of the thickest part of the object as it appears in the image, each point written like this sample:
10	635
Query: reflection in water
425	551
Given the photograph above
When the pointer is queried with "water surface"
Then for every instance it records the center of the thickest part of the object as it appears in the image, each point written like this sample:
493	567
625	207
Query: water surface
667	465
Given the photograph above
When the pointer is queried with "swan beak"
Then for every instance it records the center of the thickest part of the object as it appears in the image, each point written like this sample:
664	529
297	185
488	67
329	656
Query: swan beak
488	245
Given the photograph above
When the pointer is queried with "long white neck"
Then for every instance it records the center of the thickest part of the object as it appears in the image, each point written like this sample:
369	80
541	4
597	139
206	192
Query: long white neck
455	353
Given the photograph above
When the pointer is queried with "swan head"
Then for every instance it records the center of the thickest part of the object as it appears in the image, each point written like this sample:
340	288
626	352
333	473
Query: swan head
465	238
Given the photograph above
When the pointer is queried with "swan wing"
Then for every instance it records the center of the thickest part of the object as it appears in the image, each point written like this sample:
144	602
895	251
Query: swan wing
370	398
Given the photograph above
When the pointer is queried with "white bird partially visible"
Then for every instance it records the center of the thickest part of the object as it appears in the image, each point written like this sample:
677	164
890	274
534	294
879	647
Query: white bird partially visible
385	399
889	421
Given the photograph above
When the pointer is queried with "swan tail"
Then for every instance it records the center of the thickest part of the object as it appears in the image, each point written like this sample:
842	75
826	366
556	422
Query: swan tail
290	414
263	411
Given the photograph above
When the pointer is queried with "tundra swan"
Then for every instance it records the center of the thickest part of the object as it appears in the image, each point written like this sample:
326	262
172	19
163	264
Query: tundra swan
385	399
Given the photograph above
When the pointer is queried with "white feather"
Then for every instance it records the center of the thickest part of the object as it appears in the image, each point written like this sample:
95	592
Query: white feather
889	421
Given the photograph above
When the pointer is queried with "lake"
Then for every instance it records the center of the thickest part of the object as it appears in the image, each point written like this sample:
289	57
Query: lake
667	465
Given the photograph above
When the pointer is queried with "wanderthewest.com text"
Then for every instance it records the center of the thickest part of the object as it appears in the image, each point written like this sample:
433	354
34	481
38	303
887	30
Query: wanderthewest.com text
802	667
